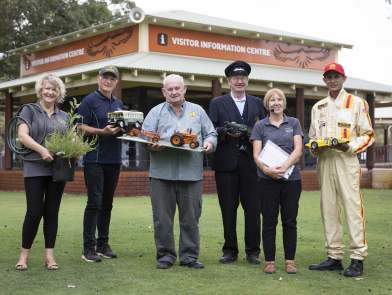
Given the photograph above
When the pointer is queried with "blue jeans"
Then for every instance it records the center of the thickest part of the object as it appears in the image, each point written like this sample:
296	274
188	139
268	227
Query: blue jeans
101	181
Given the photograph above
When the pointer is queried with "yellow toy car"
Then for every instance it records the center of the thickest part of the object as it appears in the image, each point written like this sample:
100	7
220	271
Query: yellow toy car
317	143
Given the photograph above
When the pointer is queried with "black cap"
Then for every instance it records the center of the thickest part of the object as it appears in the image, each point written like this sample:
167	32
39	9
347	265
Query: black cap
109	70
238	68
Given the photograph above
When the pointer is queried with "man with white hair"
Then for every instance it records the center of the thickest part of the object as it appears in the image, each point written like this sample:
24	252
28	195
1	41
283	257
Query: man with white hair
176	175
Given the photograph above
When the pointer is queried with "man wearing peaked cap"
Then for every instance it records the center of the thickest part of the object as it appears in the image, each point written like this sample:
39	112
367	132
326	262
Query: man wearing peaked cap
343	116
334	67
238	68
235	170
109	70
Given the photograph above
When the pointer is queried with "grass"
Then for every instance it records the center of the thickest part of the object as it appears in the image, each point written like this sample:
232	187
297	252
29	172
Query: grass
134	271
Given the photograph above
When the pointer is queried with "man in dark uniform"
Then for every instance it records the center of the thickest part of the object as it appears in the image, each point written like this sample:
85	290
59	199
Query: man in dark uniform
235	171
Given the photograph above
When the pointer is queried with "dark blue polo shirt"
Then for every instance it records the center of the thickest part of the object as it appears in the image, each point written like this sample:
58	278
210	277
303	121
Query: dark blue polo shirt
283	136
94	109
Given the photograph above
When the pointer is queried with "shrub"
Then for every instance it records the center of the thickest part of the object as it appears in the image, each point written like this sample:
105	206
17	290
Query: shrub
72	144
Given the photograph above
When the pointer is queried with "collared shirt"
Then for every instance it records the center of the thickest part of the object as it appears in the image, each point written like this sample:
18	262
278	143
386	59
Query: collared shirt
39	119
174	164
94	110
283	136
239	102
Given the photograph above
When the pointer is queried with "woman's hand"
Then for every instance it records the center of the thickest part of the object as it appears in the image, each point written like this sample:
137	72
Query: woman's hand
273	172
45	154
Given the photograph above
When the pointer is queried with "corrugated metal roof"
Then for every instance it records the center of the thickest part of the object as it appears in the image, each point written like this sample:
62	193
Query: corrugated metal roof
172	16
204	67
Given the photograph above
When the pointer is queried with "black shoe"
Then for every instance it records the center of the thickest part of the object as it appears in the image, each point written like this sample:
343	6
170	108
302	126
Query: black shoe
91	256
329	264
228	258
106	252
253	259
164	264
194	264
355	269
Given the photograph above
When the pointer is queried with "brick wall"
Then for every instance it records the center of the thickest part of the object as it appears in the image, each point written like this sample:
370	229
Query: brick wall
136	183
382	178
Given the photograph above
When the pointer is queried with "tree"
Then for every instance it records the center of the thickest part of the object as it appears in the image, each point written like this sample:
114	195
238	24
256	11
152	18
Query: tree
24	22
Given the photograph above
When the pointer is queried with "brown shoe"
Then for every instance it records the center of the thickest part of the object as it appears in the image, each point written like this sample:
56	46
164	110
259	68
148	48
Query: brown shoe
291	267
270	267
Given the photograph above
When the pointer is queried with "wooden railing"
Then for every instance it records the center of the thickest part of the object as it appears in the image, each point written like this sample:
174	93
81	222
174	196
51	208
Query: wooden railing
383	153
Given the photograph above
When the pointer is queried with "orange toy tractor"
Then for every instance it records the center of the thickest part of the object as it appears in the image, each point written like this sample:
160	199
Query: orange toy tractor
181	138
153	136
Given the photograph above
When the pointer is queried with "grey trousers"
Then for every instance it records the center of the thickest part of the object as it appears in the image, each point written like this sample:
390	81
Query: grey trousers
165	195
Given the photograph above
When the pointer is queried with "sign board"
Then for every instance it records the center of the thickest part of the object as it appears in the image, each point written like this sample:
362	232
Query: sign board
102	46
211	45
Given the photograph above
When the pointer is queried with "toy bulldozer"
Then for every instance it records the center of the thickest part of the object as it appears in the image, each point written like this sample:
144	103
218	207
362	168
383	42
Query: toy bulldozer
235	128
181	138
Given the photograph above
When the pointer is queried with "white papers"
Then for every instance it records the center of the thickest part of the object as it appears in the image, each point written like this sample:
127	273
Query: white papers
272	155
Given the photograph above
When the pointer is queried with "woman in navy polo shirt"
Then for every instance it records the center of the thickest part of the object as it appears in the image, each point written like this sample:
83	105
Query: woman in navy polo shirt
279	193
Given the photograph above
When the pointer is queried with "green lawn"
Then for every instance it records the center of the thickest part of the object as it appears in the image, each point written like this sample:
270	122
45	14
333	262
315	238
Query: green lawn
134	271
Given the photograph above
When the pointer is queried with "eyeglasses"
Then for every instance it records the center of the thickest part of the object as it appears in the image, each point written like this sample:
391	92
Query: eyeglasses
332	76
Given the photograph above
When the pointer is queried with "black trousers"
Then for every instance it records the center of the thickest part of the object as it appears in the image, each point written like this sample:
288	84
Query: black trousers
101	182
234	187
283	196
43	198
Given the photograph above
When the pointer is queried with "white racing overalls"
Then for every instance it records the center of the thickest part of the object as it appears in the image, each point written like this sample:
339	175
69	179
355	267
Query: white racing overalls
345	117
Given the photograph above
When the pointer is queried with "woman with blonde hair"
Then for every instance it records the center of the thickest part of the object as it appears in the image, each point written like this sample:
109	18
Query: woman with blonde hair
278	192
43	195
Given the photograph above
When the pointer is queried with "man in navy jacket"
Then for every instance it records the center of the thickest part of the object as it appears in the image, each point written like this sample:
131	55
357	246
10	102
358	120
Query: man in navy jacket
235	171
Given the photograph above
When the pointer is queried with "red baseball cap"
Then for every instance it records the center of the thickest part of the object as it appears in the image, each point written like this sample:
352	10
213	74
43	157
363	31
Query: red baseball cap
334	67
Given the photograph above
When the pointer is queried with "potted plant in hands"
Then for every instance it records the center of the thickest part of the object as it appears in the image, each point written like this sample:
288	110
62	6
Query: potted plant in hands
68	147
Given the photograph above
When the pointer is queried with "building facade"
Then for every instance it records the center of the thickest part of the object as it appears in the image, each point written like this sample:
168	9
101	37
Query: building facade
195	46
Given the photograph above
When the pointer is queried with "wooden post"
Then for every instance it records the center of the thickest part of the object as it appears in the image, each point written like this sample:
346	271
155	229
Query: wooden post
216	88
8	111
385	144
370	151
300	113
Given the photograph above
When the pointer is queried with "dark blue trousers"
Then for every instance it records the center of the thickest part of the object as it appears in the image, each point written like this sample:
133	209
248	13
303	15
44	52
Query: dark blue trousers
101	181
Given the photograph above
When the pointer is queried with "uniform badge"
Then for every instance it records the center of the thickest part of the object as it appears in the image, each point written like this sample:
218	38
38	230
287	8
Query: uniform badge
322	123
192	114
322	106
344	125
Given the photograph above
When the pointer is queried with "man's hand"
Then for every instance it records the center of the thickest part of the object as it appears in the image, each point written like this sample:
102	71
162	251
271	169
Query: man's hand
234	134
342	147
208	147
318	151
111	130
154	147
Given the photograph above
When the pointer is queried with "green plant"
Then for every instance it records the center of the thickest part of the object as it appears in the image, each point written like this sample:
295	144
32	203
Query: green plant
72	144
